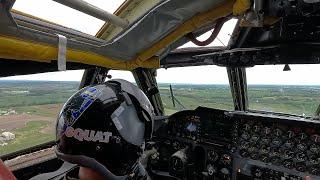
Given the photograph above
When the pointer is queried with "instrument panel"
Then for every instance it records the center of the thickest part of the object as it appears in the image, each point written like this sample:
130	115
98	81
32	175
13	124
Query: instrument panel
281	144
217	144
201	125
288	147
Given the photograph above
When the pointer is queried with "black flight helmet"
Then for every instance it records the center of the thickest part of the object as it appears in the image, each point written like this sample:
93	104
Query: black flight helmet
104	127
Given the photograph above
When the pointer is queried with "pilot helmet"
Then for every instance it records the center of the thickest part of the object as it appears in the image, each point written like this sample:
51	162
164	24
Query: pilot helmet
104	127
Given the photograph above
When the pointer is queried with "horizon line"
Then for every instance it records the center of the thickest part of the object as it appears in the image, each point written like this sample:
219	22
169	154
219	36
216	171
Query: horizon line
166	83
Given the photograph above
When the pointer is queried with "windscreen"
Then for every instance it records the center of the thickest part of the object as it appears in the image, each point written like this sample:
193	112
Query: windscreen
189	87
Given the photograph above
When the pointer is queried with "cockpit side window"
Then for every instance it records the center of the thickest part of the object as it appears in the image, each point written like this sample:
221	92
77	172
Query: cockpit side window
29	106
121	74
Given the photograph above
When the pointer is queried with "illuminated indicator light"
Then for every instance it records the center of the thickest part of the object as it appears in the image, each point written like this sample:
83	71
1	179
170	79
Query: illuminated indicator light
239	170
308	177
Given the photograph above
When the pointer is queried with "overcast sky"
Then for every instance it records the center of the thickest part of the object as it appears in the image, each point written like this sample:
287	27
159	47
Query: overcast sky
52	11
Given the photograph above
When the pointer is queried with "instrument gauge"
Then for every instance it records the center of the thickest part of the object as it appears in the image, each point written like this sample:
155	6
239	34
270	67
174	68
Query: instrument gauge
302	147
244	145
264	158
256	128
301	167
212	156
276	142
254	156
302	136
290	134
275	152
314	148
278	132
315	138
246	127
313	160
288	164
265	140
266	131
265	150
245	136
275	160
301	157
252	149
288	144
315	170
254	138
288	154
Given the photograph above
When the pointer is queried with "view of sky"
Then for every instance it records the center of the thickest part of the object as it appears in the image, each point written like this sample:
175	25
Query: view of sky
68	17
300	74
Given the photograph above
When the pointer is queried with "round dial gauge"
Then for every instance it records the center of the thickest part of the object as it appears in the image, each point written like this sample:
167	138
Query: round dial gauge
256	128
313	160
302	136
315	138
244	145
254	138
288	154
275	152
265	140
246	127
278	132
288	164
265	150
301	167
290	134
276	142
245	136
302	147
314	148
288	144
301	157
212	156
266	131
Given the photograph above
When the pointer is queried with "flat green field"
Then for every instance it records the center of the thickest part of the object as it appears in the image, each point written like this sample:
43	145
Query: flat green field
28	136
298	100
29	108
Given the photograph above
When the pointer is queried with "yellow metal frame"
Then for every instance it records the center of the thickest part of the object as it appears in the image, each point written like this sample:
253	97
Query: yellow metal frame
20	49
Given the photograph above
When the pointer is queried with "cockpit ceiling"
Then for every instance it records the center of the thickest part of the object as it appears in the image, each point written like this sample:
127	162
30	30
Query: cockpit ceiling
139	45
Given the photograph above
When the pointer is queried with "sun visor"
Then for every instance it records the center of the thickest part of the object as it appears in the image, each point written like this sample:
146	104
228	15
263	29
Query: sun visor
128	124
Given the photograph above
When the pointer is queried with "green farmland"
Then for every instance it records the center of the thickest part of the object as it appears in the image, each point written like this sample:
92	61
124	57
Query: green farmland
29	109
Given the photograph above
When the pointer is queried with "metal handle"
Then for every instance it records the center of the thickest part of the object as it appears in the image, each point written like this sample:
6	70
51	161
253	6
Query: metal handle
94	11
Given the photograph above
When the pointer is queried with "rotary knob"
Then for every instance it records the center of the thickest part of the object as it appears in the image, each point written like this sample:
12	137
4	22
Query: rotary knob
301	167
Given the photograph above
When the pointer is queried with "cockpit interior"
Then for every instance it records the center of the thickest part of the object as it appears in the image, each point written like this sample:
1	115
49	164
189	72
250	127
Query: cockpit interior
195	138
